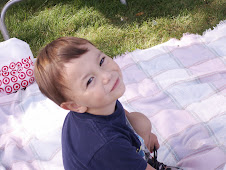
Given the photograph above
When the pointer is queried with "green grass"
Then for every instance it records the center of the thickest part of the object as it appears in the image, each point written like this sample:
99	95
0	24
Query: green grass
112	27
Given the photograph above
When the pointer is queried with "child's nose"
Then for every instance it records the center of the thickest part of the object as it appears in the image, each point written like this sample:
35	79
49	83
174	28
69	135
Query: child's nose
106	77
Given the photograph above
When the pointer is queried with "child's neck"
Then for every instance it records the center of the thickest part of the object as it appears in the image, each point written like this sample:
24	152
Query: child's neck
105	111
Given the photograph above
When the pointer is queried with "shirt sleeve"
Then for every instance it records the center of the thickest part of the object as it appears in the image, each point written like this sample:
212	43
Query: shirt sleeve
117	154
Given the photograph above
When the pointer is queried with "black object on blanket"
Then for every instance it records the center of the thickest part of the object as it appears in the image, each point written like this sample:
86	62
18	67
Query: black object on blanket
159	165
152	160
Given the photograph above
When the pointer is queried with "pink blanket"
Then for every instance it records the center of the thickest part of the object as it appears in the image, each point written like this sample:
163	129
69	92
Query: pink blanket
181	87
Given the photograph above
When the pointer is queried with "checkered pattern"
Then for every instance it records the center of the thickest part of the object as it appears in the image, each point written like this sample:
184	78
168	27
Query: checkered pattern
181	87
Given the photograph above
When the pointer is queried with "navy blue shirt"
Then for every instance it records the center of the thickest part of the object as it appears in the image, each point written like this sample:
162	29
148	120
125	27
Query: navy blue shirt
100	142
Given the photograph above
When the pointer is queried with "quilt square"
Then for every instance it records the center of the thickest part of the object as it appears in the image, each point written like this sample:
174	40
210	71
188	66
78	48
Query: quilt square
124	60
208	67
180	120
152	104
135	74
171	77
189	92
147	54
203	160
214	78
218	47
194	54
145	88
218	80
209	107
166	155
218	128
159	64
223	91
192	141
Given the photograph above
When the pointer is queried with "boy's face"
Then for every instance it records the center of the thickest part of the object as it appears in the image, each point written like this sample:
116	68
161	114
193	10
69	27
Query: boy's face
95	82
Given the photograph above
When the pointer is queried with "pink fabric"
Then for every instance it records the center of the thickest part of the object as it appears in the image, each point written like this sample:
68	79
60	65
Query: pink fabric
180	86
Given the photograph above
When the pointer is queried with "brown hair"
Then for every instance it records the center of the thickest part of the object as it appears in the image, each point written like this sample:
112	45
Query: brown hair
49	66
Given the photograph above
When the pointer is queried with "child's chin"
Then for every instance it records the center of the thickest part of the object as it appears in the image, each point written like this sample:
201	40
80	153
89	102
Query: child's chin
121	92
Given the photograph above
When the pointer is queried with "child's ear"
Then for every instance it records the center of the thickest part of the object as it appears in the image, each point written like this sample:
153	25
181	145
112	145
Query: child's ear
73	107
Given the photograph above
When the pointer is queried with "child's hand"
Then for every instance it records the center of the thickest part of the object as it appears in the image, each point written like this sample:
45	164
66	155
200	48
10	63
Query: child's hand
152	141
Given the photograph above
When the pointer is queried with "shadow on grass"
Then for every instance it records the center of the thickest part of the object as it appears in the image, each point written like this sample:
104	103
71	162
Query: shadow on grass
119	14
136	12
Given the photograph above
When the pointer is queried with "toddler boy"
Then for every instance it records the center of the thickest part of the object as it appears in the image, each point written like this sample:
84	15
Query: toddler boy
78	77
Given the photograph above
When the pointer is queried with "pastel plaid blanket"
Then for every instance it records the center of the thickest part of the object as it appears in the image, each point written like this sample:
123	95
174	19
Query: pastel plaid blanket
179	85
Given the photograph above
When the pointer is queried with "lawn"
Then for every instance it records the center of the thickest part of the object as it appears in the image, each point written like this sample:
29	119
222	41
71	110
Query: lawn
111	26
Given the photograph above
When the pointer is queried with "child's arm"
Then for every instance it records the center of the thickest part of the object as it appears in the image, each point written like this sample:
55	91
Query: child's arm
149	167
142	126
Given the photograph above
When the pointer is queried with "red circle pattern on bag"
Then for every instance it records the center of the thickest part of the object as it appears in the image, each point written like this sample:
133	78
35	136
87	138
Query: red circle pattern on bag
16	75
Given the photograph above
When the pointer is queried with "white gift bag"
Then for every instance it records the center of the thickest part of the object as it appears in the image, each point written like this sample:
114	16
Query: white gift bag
16	66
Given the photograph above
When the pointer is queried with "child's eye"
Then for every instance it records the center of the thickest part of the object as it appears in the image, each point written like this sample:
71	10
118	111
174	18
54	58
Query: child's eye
89	81
102	61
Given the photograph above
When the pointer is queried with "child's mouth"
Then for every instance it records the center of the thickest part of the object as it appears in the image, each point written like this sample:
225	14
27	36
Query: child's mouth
116	84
